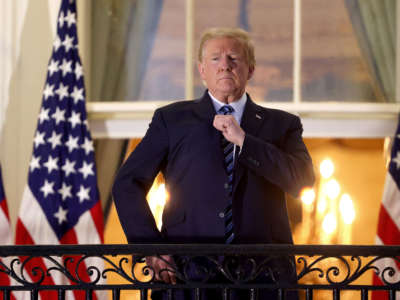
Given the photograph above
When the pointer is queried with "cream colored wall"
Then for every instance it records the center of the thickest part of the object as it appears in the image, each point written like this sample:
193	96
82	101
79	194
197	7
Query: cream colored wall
30	38
27	30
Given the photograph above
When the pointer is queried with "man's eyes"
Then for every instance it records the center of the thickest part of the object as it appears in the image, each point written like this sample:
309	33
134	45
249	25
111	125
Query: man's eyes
234	58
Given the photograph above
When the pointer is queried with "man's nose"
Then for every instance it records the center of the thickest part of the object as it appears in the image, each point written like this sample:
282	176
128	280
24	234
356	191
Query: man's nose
225	64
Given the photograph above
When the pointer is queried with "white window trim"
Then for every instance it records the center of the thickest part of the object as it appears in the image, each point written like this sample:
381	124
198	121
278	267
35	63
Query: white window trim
346	120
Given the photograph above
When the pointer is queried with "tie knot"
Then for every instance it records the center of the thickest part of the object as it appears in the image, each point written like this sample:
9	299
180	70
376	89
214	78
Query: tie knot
226	110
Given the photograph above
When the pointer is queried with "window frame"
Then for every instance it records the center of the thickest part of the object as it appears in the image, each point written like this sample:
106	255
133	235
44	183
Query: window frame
322	119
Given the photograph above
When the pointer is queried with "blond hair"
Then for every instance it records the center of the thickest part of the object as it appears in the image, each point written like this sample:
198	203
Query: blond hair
237	34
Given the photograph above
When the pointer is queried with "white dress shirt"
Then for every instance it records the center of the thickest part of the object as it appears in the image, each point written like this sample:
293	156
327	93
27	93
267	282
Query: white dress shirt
238	107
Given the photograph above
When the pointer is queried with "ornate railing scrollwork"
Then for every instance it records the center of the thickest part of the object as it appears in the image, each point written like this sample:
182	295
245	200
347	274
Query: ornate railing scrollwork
252	266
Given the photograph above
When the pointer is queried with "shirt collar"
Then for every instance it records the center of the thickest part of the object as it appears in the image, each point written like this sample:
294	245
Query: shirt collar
237	105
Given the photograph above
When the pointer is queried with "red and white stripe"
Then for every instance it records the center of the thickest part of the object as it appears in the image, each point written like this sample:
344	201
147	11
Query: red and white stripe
34	229
5	239
388	234
5	230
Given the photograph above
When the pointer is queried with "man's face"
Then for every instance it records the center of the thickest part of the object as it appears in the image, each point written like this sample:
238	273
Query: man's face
225	69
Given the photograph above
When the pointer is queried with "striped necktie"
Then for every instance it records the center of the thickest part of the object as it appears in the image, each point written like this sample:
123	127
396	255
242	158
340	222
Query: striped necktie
227	148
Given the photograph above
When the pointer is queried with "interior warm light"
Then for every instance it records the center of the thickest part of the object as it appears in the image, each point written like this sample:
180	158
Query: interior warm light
326	168
332	189
329	223
157	198
322	205
307	196
347	209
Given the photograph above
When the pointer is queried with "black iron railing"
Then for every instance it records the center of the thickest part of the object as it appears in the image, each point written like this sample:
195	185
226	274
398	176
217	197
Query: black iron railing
316	272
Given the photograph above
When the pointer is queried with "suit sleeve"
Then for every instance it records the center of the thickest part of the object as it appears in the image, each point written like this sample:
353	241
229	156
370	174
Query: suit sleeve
286	164
134	180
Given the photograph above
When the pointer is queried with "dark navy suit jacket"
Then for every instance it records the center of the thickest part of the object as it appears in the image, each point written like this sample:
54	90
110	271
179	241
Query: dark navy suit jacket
182	143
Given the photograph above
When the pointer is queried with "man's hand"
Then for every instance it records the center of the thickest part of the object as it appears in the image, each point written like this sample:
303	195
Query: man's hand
160	263
230	128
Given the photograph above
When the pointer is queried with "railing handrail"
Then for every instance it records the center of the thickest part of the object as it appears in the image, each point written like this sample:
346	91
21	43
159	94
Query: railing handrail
242	249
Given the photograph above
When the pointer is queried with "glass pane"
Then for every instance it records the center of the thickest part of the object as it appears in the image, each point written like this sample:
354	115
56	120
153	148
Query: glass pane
135	45
270	24
333	68
165	74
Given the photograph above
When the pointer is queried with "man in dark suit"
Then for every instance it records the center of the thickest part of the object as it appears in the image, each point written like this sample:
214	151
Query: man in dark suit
226	168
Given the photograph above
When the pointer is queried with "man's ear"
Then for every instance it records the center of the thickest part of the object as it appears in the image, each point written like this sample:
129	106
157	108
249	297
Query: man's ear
251	72
200	67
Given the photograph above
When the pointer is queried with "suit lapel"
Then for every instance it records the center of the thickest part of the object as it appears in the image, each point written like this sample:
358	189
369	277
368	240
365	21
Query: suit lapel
252	119
205	110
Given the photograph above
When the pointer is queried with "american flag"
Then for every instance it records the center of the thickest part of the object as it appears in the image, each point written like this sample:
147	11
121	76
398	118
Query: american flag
5	232
61	203
389	216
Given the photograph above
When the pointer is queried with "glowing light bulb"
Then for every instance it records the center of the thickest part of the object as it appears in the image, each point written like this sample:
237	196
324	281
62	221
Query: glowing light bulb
347	209
332	189
329	223
322	205
307	196
326	168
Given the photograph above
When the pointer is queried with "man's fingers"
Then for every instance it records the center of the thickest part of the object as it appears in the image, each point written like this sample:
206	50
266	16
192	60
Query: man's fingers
230	128
163	268
222	122
167	272
173	278
167	276
217	123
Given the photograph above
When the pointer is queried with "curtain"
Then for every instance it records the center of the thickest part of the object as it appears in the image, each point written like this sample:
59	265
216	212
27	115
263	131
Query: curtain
243	18
122	38
374	23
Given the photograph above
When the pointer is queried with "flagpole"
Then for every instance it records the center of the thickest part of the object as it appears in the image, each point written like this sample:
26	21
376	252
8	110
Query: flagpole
397	92
84	9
